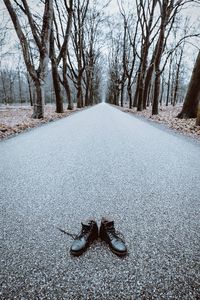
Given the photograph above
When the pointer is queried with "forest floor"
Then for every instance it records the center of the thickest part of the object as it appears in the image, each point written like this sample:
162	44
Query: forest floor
15	119
167	116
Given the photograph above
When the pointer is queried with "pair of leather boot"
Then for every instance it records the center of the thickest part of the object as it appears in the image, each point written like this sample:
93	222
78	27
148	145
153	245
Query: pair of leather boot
90	232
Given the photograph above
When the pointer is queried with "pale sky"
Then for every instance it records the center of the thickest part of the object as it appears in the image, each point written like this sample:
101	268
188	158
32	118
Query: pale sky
191	11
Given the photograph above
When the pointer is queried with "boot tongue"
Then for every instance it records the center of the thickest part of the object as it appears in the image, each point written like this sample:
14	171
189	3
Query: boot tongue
86	224
85	228
109	224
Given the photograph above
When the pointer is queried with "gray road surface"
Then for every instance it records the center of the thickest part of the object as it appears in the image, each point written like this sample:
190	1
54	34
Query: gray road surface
94	163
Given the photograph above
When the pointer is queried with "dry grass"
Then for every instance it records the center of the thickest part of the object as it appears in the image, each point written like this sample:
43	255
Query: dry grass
167	116
16	119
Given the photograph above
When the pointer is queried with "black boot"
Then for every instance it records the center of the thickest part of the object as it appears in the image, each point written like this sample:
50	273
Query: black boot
109	235
87	235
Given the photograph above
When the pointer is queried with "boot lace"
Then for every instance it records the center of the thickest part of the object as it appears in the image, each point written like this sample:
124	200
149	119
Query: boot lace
74	236
85	230
112	233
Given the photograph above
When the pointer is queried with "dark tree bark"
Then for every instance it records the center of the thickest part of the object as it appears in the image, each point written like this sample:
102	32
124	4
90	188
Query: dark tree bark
169	82
146	22
198	113
11	82
149	74
90	61
172	85
4	88
156	94
79	90
124	73
20	86
165	14
162	90
191	101
64	48
177	78
55	75
79	15
66	85
129	70
135	100
29	89
129	90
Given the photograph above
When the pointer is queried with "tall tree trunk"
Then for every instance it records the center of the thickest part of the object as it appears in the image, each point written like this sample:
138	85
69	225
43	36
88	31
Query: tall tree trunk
20	87
87	96
177	78
4	88
191	102
38	107
79	92
122	95
140	92
68	93
157	63
172	86
29	89
124	76
135	100
57	87
66	85
198	113
11	88
169	82
129	95
55	76
149	95
64	49
156	94
143	67
162	91
91	95
145	50
147	83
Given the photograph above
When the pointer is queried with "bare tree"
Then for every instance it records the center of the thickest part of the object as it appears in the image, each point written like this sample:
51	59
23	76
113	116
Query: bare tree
192	98
55	74
41	39
79	16
124	51
169	81
145	11
93	41
177	77
3	31
115	67
131	61
61	29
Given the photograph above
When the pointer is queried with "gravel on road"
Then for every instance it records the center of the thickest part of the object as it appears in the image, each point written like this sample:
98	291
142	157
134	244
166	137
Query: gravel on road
100	162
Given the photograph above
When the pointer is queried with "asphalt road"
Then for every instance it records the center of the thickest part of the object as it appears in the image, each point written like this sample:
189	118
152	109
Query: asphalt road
95	163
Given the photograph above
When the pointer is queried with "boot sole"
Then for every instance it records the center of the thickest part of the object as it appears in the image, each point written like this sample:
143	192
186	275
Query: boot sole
77	253
80	252
121	254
